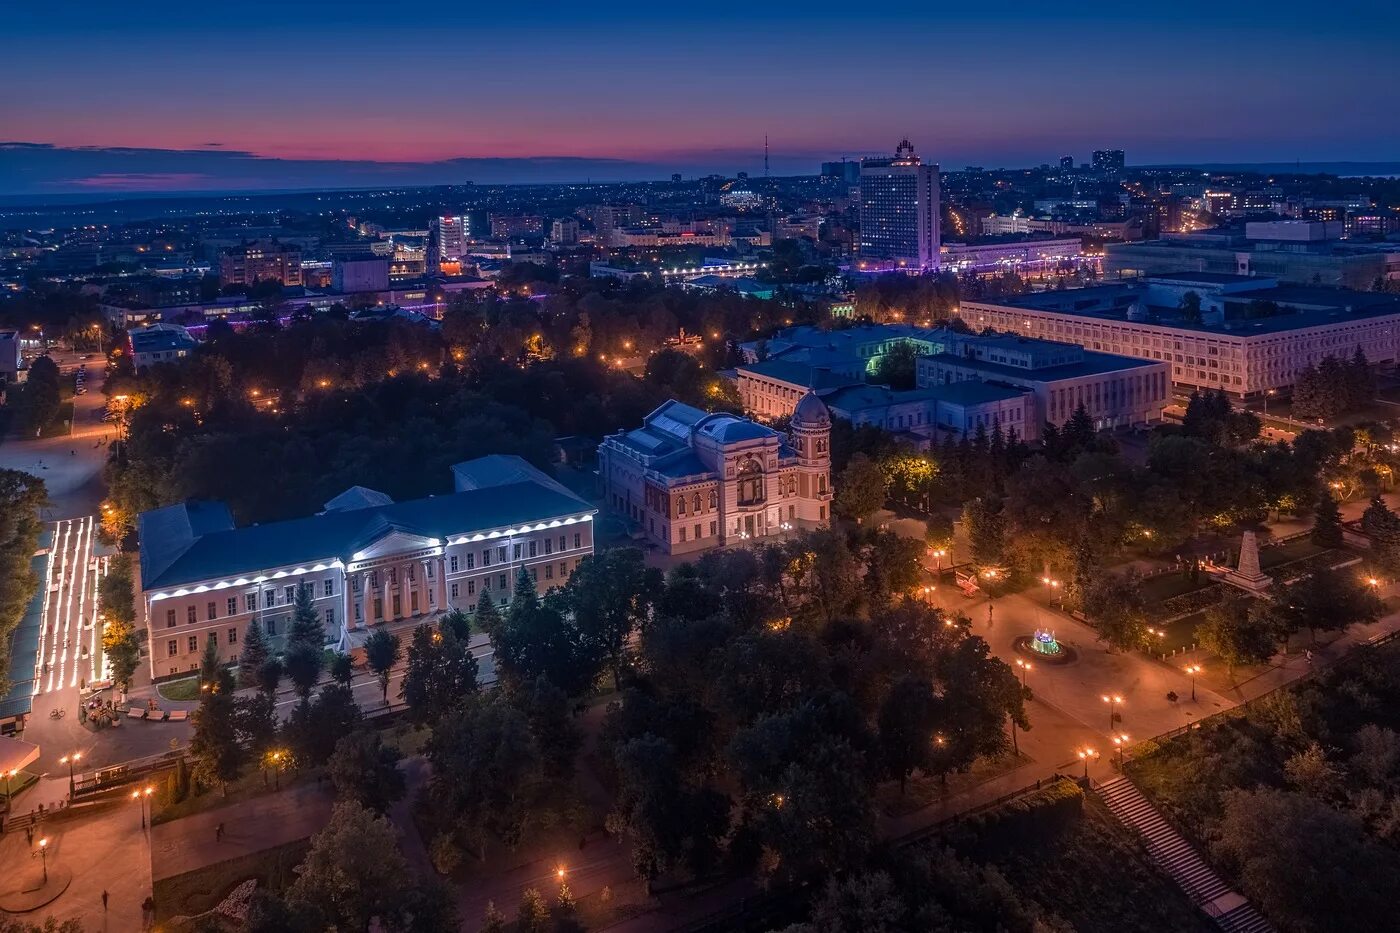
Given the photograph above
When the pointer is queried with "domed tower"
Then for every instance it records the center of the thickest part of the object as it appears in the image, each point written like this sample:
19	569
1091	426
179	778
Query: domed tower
811	436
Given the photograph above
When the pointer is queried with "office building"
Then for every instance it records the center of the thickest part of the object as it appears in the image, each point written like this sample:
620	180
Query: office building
564	232
1251	335
505	226
448	235
1116	391
1067	163
369	561
260	261
847	172
899	212
159	343
687	481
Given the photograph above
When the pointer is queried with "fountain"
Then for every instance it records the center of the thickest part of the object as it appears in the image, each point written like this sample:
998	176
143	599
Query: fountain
1043	646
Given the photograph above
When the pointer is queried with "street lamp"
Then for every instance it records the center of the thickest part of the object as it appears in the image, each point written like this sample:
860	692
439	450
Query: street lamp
1086	755
1193	670
1120	742
938	556
44	854
1025	667
70	760
1113	702
141	796
9	795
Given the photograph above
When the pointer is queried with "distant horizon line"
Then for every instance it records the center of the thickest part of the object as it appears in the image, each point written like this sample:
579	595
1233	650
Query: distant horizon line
72	198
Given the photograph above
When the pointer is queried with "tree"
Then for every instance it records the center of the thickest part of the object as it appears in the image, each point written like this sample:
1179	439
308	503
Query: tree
209	668
316	725
985	531
383	650
610	597
670	822
533	915
1281	844
1235	634
253	655
41	399
1115	605
353	872
488	617
306	628
546	709
119	641
896	366
1327	601
303	664
539	638
256	720
365	770
487	772
1382	526
910	716
441	671
493	921
1327	522
860	491
218	756
342	669
270	676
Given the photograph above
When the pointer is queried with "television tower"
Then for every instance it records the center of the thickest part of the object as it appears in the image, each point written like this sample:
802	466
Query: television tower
765	155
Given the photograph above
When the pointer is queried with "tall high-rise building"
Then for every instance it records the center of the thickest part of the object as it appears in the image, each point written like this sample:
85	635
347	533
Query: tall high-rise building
449	234
1108	161
899	211
1066	162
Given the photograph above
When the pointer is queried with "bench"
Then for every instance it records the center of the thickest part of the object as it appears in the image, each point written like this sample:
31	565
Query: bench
178	715
136	713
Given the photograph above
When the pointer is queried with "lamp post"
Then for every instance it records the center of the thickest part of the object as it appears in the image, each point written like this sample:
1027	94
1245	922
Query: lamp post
1120	742
1054	586
141	797
1086	755
1113	702
938	556
1025	667
70	760
1193	670
44	855
277	770
9	795
1267	393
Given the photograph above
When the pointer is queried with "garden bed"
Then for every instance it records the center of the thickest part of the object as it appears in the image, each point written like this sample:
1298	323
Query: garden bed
197	891
181	690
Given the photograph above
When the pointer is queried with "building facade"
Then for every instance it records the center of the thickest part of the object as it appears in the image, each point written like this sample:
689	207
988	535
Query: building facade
1115	391
159	343
368	560
687	481
1230	349
260	261
899	212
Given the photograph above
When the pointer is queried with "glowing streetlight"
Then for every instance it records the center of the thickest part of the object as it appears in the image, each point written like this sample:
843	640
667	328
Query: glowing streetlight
9	795
1120	742
70	760
1025	667
1193	670
1113	702
1086	755
44	854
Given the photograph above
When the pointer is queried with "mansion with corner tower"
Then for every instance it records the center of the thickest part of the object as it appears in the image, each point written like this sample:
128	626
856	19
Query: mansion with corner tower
687	481
368	560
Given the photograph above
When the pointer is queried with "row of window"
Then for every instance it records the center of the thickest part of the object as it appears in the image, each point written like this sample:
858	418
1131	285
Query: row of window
250	603
518	551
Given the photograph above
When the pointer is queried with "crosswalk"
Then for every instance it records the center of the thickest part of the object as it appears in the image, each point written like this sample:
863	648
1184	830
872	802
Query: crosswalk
70	640
1180	860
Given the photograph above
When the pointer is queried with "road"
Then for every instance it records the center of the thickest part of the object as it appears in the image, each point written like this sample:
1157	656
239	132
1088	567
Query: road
70	465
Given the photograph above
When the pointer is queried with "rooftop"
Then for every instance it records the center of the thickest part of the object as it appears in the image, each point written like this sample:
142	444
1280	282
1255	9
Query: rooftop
798	374
1091	364
196	541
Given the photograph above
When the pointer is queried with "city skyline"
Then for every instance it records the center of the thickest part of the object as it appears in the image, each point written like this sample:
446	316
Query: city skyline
631	92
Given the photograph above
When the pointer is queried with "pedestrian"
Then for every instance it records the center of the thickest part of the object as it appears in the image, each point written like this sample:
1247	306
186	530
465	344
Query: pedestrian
219	833
104	900
29	832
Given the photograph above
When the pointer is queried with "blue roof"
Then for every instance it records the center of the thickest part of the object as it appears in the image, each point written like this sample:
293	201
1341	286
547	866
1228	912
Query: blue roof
340	534
798	374
1092	364
730	429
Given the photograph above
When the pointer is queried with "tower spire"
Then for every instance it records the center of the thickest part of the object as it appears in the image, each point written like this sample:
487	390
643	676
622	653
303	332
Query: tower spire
765	155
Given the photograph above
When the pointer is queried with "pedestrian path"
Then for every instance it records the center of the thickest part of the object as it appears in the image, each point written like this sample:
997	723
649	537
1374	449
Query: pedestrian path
1180	860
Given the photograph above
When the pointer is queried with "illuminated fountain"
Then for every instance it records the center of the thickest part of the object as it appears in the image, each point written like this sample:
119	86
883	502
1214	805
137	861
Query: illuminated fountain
1043	643
1043	647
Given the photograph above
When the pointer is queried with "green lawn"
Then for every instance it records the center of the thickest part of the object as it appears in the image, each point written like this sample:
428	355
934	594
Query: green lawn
1287	552
1168	585
251	784
1180	634
185	689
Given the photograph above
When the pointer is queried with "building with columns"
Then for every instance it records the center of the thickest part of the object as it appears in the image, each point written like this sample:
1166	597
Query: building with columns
687	481
368	560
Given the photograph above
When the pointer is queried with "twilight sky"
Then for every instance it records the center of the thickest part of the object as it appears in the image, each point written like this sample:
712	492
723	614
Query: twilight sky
237	88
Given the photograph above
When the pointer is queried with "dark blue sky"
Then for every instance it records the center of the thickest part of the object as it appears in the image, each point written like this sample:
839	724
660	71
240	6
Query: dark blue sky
685	86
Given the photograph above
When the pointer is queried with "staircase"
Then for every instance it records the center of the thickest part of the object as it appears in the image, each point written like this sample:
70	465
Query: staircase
1182	863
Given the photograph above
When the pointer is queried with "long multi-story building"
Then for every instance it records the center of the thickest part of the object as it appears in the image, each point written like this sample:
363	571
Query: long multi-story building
899	212
260	261
1249	336
688	481
1282	251
368	561
1115	391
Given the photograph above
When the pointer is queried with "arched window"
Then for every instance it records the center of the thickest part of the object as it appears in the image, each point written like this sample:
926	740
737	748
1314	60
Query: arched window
695	503
750	483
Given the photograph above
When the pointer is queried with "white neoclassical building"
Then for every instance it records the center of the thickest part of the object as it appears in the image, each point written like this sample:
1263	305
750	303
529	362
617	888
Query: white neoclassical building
368	560
688	481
